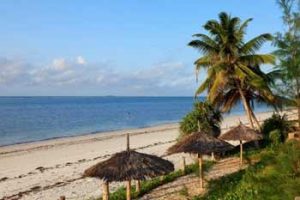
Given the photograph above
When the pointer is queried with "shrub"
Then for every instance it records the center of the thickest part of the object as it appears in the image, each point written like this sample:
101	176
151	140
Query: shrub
204	117
275	137
276	122
275	176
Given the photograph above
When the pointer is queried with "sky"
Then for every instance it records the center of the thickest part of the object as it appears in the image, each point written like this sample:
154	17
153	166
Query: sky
112	47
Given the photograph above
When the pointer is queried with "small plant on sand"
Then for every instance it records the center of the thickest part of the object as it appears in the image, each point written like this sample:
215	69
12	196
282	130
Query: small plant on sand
184	191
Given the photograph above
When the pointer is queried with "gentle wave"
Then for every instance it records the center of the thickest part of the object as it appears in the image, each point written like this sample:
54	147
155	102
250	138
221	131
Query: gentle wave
24	119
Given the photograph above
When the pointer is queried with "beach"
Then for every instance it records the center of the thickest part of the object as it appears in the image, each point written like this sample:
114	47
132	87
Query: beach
53	168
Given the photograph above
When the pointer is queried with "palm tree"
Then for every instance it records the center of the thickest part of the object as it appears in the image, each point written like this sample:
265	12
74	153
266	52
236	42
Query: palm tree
232	64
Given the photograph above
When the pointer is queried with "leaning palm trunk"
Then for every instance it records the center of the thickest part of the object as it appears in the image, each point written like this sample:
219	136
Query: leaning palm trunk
246	106
255	120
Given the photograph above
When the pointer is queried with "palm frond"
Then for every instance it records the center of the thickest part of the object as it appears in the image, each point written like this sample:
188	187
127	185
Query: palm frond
204	86
255	43
202	46
258	59
243	27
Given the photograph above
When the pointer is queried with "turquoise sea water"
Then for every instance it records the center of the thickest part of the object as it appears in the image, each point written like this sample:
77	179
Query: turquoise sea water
24	119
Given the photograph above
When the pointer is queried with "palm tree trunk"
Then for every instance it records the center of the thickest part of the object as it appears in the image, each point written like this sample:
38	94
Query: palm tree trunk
255	119
246	106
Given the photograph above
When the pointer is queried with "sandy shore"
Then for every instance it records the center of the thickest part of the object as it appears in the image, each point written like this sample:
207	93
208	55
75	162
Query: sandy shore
49	169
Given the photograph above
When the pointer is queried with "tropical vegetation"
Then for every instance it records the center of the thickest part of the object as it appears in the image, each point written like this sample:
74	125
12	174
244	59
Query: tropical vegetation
204	117
275	176
233	66
278	123
288	54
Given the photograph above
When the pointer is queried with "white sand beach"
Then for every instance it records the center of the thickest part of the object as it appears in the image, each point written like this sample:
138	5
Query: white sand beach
49	169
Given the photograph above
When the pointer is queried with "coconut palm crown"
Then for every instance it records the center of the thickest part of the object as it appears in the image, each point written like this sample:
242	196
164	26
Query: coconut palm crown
232	64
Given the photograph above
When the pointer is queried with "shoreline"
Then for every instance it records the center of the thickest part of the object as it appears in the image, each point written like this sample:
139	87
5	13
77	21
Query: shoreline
48	169
90	133
111	131
103	135
71	140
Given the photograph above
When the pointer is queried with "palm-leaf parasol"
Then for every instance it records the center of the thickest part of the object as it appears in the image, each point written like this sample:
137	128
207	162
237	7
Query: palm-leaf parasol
129	165
199	143
241	133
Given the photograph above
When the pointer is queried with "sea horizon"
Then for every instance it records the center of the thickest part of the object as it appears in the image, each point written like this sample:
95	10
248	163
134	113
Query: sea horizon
38	118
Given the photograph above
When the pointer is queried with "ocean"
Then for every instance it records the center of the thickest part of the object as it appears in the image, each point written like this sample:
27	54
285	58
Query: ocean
26	119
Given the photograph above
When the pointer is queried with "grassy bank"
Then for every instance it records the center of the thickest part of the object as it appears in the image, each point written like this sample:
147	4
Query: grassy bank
275	176
148	185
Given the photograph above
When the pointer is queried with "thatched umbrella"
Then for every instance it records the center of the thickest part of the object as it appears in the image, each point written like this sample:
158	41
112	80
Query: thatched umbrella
199	143
129	165
241	133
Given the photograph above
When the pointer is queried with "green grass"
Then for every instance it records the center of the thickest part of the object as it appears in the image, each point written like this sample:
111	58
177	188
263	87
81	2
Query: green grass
148	185
276	177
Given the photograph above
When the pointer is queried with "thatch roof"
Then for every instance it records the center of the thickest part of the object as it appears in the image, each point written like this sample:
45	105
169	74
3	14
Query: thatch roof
241	132
128	165
199	143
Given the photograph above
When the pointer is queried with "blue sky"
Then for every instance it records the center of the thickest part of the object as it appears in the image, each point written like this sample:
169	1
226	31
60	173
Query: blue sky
112	47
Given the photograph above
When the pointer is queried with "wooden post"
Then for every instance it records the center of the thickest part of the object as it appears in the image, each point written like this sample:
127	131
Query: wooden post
138	186
127	142
213	156
105	195
183	165
241	153
200	171
62	198
128	190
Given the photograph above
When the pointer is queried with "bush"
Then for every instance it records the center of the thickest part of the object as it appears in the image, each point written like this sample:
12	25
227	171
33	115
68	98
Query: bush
204	117
275	137
275	176
279	123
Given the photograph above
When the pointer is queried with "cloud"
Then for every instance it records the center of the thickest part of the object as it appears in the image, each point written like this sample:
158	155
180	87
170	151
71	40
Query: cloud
12	71
81	60
59	64
165	78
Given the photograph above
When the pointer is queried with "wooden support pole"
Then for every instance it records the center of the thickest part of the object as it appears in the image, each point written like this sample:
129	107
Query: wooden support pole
138	186
213	158
183	165
200	171
105	195
128	190
241	153
127	142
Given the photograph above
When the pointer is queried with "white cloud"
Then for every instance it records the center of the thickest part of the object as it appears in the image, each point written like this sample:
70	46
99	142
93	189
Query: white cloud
167	78
59	64
12	70
80	60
